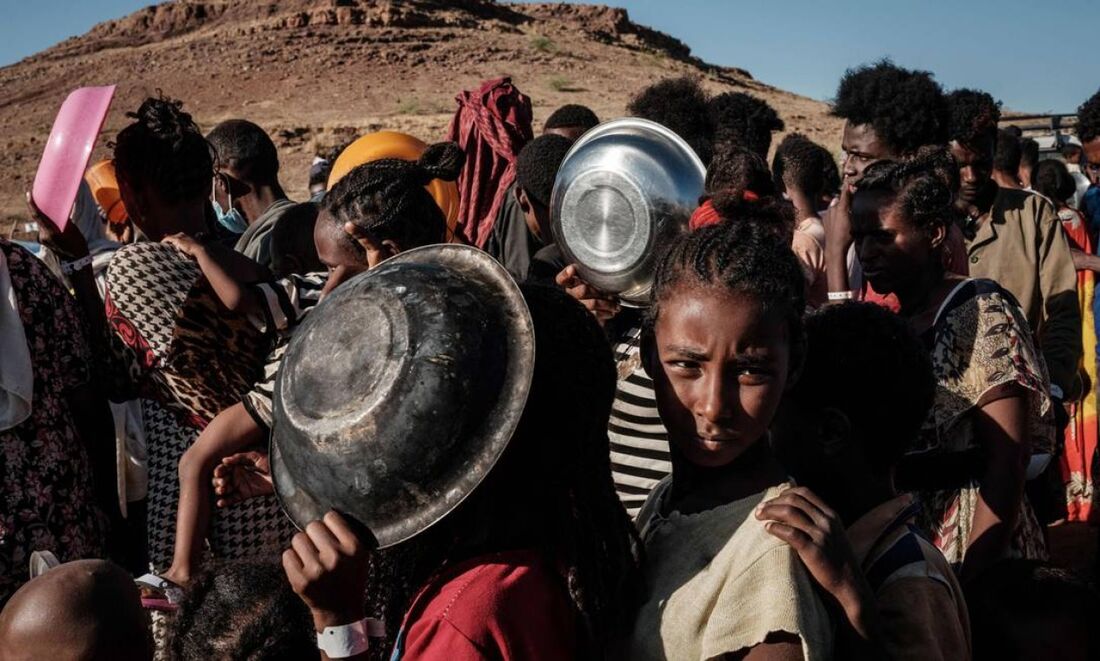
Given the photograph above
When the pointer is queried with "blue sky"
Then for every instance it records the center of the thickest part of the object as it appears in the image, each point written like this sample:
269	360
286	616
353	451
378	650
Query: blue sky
1032	54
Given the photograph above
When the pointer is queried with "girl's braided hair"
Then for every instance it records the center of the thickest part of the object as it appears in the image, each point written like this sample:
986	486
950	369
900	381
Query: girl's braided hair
552	490
586	528
164	150
749	254
923	186
738	169
387	197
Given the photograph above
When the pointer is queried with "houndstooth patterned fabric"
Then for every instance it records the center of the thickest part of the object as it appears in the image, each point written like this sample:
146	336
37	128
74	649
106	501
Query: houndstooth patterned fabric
198	358
148	283
201	358
204	358
256	529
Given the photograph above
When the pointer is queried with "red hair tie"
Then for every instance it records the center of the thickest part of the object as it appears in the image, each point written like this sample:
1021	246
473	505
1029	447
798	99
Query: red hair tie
706	214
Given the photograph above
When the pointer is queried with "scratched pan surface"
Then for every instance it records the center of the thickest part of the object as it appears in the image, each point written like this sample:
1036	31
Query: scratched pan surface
400	391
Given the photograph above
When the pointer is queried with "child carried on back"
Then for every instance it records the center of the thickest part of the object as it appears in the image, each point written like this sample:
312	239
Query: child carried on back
374	212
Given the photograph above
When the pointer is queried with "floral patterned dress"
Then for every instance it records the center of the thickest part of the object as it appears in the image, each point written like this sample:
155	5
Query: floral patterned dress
46	496
980	340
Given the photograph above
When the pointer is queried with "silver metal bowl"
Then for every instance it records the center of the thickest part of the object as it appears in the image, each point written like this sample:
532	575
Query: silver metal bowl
625	188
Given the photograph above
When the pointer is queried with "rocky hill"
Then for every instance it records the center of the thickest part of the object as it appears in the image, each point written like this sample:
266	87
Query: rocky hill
315	73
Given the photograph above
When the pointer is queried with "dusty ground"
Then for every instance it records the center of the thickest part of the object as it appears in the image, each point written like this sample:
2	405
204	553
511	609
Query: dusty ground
316	73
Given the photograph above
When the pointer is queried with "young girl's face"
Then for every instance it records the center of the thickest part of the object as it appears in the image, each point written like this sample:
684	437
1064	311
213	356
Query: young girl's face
720	366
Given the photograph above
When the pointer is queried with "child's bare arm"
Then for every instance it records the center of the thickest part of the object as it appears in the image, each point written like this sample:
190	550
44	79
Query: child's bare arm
227	271
815	532
230	432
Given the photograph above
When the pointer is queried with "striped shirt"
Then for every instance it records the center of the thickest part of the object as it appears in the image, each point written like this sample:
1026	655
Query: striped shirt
920	604
285	304
639	444
286	301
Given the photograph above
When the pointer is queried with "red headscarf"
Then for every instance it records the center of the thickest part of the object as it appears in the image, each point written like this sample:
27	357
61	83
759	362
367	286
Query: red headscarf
491	126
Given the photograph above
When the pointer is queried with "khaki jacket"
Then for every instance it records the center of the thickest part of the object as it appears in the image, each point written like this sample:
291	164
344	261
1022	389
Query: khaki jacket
1021	245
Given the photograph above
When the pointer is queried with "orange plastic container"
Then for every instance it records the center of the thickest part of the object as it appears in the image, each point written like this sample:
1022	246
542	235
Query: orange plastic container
104	184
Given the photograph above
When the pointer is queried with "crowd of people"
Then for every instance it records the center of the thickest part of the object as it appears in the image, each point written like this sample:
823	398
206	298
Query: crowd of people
852	421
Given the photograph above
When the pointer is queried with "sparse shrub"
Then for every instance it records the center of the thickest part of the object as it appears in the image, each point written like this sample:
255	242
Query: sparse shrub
543	44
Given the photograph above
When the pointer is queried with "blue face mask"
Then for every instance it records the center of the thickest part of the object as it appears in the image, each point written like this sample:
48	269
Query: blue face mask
231	220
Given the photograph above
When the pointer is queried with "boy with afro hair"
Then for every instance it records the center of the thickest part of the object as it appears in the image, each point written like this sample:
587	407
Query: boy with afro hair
744	120
681	105
1088	132
900	110
973	134
889	113
1010	228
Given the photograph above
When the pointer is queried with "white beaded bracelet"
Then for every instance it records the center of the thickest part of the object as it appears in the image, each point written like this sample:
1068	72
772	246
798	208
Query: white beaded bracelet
841	296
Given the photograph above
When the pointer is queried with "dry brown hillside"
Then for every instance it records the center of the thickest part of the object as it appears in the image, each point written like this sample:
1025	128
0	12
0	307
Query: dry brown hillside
317	72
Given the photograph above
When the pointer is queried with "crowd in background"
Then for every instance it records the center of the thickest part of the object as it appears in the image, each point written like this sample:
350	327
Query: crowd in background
857	418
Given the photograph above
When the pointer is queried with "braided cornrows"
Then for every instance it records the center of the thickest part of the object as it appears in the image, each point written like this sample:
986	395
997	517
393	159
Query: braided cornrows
800	162
565	430
766	212
387	197
923	187
738	169
745	256
164	150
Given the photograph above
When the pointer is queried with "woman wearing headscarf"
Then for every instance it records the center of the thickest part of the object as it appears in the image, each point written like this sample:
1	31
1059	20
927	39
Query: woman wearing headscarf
491	126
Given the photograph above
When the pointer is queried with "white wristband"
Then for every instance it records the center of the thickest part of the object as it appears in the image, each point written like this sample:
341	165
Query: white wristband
841	296
345	640
69	268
